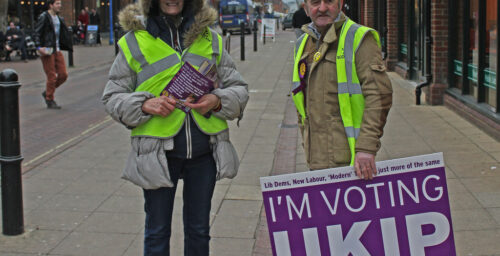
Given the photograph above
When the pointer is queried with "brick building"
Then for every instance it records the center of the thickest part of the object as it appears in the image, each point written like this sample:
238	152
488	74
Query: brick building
447	46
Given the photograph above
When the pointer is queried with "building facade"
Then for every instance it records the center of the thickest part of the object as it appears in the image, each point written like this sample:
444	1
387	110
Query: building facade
447	47
26	12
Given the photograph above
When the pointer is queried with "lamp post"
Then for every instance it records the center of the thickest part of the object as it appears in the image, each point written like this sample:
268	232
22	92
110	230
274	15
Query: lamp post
110	22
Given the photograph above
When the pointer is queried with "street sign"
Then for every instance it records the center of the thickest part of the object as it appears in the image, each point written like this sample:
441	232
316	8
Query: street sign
91	35
270	29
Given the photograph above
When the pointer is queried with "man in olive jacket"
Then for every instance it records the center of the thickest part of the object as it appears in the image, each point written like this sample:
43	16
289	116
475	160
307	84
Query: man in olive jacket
323	131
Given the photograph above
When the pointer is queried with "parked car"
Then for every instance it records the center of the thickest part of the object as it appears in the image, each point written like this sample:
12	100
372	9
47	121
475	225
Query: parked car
232	13
287	21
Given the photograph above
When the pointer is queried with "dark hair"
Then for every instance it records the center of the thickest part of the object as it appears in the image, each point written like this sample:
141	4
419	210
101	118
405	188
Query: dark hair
154	8
49	2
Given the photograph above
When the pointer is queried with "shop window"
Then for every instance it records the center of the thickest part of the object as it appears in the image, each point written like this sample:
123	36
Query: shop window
473	47
403	31
458	61
491	68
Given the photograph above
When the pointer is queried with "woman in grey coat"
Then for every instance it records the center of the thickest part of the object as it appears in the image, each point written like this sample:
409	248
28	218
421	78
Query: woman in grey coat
156	163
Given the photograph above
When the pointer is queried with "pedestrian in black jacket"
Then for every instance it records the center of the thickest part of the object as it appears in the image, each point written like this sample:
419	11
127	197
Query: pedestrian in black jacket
52	36
96	20
15	41
300	18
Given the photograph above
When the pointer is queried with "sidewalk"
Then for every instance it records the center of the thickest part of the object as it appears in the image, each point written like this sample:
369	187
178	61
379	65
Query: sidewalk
76	204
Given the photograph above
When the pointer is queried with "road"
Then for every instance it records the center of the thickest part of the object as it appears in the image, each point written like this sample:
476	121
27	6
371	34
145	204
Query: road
46	132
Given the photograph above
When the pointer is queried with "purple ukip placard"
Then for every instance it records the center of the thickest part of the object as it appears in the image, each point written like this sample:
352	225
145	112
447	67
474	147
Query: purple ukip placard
403	211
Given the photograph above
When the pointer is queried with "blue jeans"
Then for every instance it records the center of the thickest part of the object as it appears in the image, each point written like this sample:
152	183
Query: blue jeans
199	175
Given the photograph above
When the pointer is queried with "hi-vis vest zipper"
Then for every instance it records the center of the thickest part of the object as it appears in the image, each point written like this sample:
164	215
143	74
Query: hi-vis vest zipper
351	100
156	63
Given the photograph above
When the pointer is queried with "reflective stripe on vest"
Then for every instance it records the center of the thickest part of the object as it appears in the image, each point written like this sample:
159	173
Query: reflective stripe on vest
156	63
351	100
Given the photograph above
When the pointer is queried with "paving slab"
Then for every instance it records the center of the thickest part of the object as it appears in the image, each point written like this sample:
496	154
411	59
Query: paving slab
242	216
113	222
244	192
488	199
239	246
32	241
95	244
55	219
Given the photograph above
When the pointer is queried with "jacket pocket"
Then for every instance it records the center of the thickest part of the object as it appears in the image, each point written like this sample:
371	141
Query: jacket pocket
338	147
329	71
382	83
147	164
225	156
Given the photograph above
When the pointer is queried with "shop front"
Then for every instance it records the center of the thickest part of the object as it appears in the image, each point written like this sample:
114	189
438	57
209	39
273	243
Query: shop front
413	21
25	12
473	55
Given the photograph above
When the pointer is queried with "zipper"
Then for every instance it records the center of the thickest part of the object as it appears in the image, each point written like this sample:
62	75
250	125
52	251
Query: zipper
189	146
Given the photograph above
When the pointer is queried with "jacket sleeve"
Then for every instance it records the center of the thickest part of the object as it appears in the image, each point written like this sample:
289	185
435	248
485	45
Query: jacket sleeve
377	91
119	96
233	90
39	29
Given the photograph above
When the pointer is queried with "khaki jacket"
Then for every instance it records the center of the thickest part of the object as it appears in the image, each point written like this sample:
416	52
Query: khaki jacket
324	140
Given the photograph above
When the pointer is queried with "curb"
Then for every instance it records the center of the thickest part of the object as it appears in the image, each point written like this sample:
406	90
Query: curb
284	162
42	158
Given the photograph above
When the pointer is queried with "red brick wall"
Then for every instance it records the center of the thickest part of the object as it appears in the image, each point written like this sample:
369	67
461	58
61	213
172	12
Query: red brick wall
369	13
68	11
439	52
392	33
361	12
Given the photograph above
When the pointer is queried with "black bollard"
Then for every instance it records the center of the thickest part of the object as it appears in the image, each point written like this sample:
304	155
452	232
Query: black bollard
264	34
254	35
70	53
242	30
116	37
10	154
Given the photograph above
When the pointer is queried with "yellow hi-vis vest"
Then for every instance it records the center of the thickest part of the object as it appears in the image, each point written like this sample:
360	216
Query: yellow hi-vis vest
351	100
156	63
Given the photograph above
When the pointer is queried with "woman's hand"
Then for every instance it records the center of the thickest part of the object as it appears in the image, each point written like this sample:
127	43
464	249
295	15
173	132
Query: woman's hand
206	103
161	106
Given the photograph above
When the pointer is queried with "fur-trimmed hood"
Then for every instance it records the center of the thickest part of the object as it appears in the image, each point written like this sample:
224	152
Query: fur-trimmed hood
134	16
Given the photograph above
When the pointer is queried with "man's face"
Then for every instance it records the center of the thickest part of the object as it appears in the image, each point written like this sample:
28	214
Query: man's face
12	26
171	7
56	7
322	12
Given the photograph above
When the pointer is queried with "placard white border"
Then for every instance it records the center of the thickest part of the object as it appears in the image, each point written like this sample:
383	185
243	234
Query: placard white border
334	175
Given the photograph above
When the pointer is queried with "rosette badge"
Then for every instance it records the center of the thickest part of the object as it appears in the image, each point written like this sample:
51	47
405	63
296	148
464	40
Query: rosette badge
302	68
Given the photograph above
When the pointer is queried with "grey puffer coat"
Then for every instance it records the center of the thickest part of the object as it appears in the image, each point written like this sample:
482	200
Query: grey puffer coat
147	163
